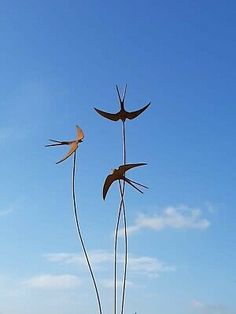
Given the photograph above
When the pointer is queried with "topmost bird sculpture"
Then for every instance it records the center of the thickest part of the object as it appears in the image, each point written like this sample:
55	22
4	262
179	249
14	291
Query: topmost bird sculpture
73	144
122	114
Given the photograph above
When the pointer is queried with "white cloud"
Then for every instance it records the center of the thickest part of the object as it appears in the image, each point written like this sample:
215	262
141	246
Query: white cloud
49	281
196	304
204	308
148	266
141	265
66	258
97	257
109	283
181	217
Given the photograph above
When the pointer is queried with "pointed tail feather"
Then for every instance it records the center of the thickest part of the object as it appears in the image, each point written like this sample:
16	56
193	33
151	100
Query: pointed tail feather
128	181
118	92
124	94
144	186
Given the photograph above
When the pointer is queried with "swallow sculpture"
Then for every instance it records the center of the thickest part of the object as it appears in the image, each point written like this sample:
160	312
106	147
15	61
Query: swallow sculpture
122	114
119	174
73	144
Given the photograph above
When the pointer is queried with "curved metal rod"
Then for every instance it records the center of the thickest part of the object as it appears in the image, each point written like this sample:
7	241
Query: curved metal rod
121	210
122	188
80	234
122	194
115	254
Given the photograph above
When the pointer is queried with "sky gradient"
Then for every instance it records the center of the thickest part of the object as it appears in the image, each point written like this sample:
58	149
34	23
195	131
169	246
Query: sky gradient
59	60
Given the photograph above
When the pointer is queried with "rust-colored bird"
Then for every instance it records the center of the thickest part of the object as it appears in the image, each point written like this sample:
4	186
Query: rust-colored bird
73	144
119	174
122	114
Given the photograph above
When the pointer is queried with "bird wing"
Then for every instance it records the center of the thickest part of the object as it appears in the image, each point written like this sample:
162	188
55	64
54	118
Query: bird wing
73	148
108	182
127	167
80	133
135	114
107	115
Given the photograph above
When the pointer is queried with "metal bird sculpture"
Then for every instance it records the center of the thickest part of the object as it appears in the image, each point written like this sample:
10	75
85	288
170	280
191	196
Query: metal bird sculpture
119	174
73	144
122	114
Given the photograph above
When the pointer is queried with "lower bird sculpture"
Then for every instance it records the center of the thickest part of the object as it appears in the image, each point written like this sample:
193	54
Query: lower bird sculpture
119	174
73	144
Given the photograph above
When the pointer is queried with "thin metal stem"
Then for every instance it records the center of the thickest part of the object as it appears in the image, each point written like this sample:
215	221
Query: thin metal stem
124	142
121	210
122	193
126	247
80	234
115	254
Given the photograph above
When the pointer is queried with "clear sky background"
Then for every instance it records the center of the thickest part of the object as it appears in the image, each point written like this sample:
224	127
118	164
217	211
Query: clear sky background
58	60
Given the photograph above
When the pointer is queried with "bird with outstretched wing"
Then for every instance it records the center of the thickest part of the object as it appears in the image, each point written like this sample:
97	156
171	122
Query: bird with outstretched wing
73	144
122	114
119	174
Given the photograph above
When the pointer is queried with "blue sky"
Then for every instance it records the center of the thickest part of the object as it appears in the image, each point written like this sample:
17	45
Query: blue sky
59	60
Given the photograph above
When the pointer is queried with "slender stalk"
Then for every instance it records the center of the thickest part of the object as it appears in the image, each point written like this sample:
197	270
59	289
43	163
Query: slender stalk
80	234
115	254
122	187
124	142
120	210
122	193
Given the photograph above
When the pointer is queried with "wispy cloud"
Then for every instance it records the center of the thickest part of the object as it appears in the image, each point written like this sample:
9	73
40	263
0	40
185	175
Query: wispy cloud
204	308
180	217
148	266
49	281
7	211
98	258
109	283
138	265
11	207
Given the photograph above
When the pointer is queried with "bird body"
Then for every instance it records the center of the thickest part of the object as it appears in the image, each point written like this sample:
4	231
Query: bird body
73	144
119	174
